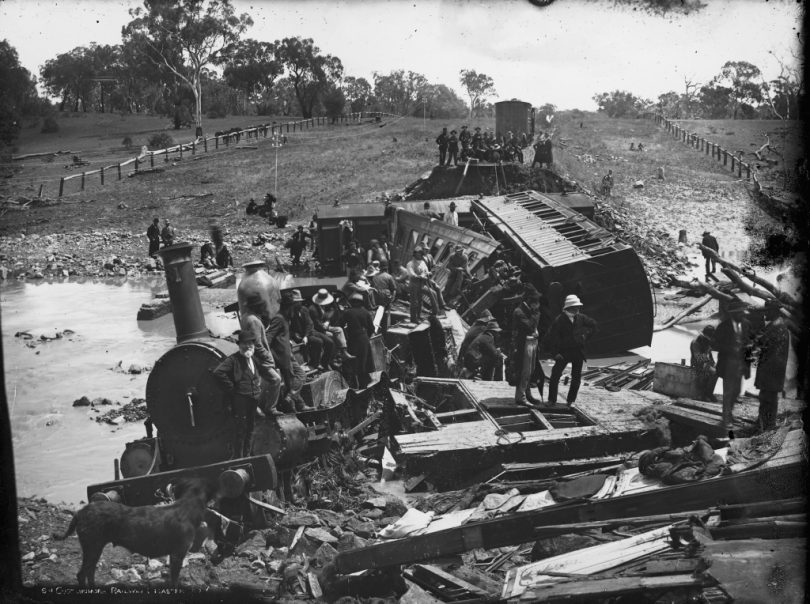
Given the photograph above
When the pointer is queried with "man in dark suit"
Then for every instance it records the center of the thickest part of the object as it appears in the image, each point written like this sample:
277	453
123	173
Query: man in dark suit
773	345
710	242
153	235
359	327
732	339
566	341
239	375
442	140
483	353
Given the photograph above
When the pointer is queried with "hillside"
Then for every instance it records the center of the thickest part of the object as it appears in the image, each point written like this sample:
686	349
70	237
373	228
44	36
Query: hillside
350	163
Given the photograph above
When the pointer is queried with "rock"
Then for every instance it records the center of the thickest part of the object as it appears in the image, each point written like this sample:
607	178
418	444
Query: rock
253	546
117	574
257	564
325	554
100	401
132	575
320	534
154	564
296	519
29	556
375	502
82	402
279	536
359	527
372	514
274	565
136	369
349	541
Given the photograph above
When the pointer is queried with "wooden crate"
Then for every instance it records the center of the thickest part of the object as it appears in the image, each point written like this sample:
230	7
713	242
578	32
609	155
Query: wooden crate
676	380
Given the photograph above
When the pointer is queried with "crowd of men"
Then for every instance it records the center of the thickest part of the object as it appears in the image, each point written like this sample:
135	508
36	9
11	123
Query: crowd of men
738	345
455	147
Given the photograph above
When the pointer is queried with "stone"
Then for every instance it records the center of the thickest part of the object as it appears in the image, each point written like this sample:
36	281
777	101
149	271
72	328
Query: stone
154	564
296	519
279	536
136	369
82	402
375	502
330	518
372	514
132	575
320	534
29	556
253	546
117	574
325	554
349	541
359	527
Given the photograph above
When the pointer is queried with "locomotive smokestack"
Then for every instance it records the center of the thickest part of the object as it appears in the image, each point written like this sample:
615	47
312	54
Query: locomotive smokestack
189	322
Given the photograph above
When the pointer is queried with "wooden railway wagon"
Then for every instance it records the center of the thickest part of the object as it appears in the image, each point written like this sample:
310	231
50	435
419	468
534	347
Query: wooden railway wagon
515	117
553	243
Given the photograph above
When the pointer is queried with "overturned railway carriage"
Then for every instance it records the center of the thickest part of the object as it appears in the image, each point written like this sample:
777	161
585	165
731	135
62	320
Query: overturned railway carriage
554	244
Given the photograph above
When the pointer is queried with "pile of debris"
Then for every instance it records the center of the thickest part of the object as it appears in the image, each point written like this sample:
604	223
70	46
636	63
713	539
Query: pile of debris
664	260
31	341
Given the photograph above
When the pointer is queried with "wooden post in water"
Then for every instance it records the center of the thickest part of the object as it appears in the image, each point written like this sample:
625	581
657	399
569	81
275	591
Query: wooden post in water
61	186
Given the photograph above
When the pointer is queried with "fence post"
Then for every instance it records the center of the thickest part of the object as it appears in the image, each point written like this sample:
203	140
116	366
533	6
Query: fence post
151	160
42	186
288	127
61	186
102	175
732	163
205	145
748	171
739	166
181	150
166	155
194	147
119	170
83	173
725	157
136	165
216	142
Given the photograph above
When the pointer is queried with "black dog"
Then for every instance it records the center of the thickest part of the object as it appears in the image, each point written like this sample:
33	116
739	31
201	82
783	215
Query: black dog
148	530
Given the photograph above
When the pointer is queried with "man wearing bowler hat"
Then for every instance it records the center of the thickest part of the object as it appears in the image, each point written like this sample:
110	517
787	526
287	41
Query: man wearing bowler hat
566	341
733	340
483	353
239	375
359	327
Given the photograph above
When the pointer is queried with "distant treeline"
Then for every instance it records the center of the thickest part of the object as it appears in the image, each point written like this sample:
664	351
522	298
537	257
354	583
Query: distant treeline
739	91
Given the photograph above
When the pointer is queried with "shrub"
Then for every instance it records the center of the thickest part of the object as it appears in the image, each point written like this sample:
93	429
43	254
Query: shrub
127	142
49	126
217	110
160	140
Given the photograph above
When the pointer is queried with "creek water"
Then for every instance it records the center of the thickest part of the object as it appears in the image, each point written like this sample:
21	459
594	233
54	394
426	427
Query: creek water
58	449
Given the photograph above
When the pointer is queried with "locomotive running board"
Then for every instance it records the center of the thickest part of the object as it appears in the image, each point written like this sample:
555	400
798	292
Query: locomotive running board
147	489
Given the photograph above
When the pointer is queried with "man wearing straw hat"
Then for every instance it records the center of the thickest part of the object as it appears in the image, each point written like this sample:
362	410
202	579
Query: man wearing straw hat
566	341
325	318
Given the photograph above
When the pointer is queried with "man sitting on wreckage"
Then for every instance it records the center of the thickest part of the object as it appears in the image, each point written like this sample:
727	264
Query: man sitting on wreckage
483	353
325	319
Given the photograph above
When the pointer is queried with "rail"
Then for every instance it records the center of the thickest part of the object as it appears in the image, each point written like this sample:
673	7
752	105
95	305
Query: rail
146	161
703	145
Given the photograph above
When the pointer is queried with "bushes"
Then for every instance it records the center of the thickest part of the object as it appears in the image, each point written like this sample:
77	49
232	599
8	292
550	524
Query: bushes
127	142
217	110
49	126
160	140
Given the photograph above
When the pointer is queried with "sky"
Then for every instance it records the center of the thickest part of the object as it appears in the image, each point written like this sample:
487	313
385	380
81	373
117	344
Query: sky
562	54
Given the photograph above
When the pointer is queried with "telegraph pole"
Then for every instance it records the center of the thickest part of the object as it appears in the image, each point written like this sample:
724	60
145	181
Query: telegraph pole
276	144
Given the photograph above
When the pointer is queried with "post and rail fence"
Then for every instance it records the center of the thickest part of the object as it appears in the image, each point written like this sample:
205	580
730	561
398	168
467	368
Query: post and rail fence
202	145
702	145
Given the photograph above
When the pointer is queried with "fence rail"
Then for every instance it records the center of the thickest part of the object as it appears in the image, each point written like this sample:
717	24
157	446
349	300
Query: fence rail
203	145
703	145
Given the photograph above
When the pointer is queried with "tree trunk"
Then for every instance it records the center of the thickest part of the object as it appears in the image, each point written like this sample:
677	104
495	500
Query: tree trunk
197	88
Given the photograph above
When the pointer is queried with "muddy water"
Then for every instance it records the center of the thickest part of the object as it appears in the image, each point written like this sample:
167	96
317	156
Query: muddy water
58	449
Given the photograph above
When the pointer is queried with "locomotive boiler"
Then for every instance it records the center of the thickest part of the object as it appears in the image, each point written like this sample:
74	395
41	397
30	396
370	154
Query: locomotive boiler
190	412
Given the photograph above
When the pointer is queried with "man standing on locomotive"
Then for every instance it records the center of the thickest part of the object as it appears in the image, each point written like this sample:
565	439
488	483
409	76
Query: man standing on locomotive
239	375
254	320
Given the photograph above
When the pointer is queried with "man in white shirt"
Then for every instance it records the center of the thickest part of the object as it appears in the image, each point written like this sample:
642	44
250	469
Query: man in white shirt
451	217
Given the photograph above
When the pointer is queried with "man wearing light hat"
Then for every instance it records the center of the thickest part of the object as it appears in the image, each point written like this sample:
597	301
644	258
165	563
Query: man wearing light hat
566	341
239	375
325	317
302	331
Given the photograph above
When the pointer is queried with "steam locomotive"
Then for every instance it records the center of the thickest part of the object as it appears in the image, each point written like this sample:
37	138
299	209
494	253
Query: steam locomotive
195	432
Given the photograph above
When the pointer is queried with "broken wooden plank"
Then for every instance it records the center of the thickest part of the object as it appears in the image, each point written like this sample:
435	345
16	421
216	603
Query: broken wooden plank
748	510
779	478
443	583
604	588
